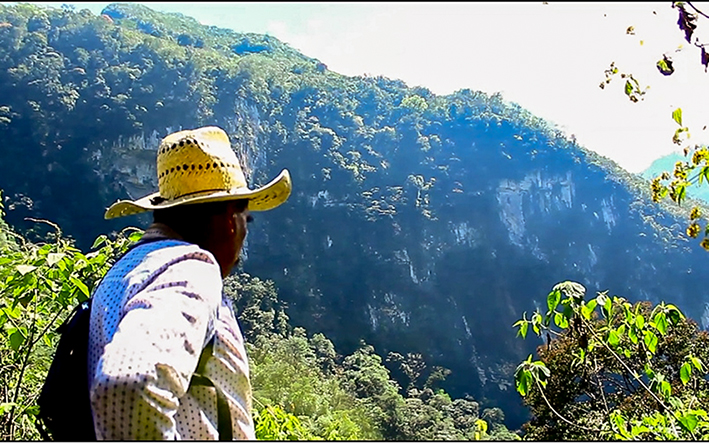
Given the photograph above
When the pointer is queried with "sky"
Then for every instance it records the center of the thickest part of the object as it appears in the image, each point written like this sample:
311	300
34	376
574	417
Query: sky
548	57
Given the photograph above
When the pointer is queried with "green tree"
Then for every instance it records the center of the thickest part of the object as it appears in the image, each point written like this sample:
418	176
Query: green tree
614	370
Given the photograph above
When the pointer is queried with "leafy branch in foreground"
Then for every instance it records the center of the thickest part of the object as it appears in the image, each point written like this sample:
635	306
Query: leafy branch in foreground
39	283
694	170
613	370
686	173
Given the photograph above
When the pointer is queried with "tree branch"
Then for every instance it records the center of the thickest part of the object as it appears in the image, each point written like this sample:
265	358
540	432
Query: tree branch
24	366
600	384
630	371
49	325
697	10
541	391
618	385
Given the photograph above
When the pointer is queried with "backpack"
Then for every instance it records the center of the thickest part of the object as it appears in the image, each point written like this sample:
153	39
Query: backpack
64	404
64	401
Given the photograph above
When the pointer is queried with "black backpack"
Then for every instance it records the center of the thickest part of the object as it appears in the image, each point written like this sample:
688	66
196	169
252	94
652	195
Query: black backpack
64	402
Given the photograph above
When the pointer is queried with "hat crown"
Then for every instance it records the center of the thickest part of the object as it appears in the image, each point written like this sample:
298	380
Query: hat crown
199	160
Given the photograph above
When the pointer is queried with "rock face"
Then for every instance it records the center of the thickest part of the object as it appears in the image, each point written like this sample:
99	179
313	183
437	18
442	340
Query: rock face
417	223
476	238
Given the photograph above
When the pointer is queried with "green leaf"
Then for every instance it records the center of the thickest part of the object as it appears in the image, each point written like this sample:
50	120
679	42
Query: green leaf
568	311
648	371
696	362
650	341
633	335
591	305
553	300
560	320
613	339
685	372
582	354
628	88
677	116
665	67
101	239
681	193
621	330
13	312
523	378
639	321
705	174
135	236
689	422
536	321
540	367
637	430
25	269
80	285
4	407
675	402
525	381
586	312
699	412
53	258
620	423
16	339
674	314
661	322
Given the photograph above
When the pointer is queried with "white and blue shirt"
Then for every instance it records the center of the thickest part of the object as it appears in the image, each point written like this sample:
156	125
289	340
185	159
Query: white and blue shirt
151	316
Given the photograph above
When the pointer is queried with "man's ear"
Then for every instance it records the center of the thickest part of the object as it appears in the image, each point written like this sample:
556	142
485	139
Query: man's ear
229	218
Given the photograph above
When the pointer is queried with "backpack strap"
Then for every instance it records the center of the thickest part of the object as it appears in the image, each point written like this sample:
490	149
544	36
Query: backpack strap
223	411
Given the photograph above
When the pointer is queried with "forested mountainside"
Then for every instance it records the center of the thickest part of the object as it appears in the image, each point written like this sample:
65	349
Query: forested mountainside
418	223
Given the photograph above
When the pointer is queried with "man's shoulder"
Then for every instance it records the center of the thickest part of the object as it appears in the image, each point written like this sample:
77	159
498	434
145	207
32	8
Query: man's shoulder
156	256
153	262
173	251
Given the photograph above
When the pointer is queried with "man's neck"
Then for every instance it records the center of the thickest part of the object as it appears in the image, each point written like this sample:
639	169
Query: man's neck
160	230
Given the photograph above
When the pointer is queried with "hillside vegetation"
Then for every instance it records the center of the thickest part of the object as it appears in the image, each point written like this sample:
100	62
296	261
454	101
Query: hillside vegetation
419	227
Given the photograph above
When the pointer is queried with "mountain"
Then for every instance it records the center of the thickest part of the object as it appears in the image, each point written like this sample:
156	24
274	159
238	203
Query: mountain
667	163
418	223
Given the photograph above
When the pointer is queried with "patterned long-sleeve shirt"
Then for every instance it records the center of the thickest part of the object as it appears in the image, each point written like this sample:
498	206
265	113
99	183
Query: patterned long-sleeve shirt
150	319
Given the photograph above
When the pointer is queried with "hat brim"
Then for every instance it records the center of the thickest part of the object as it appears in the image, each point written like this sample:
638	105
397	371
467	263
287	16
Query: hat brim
264	198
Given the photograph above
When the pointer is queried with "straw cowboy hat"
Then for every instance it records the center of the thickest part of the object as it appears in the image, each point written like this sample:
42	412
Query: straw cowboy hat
199	166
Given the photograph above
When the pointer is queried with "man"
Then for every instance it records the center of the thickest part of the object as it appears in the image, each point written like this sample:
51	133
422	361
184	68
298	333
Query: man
159	307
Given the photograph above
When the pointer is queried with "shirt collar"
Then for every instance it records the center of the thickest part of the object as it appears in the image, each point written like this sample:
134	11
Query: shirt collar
160	231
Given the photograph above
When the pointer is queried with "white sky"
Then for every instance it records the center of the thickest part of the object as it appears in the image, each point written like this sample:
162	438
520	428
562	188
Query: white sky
548	58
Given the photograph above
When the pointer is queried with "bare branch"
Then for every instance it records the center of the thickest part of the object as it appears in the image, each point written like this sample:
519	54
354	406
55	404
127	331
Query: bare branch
541	391
600	384
697	10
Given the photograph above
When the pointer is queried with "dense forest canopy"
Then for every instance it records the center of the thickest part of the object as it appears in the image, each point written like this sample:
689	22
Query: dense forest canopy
111	78
420	225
